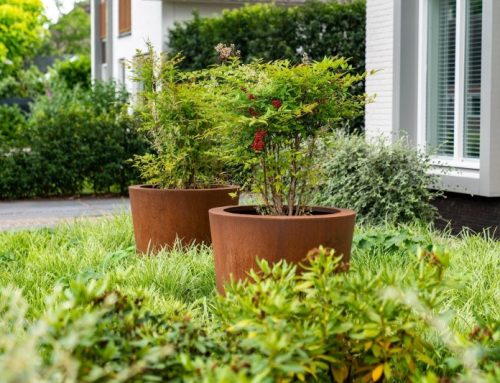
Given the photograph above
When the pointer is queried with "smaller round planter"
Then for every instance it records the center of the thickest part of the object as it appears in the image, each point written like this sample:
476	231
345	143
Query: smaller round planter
240	235
160	216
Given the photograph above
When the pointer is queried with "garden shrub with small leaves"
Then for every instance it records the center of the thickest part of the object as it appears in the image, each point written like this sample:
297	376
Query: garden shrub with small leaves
322	324
381	182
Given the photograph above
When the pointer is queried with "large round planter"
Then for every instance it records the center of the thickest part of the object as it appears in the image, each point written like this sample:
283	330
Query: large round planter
240	236
160	216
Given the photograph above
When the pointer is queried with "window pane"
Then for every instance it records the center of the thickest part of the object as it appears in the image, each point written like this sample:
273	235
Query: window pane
441	76
472	105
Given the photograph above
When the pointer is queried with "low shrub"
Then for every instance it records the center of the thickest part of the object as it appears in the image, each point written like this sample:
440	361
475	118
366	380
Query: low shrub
382	183
75	139
73	72
318	325
12	124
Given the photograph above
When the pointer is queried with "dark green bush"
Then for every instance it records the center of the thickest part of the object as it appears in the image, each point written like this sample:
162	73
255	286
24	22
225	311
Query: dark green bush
75	139
73	72
382	183
12	124
271	32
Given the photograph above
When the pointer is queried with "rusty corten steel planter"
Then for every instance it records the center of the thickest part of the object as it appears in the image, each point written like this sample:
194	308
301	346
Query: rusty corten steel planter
240	236
162	215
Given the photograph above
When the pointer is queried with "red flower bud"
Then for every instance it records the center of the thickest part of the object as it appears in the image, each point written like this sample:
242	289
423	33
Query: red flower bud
259	141
252	112
251	96
277	103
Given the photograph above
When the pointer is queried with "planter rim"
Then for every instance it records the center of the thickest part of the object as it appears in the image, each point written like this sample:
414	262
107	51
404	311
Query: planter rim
328	212
150	189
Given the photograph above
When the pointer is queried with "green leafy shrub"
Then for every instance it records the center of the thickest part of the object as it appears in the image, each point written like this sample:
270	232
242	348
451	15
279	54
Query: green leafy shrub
382	183
12	124
280	113
318	325
26	83
271	32
176	111
73	72
75	138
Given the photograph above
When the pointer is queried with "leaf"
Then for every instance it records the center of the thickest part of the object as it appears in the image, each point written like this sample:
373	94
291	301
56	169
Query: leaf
377	372
340	374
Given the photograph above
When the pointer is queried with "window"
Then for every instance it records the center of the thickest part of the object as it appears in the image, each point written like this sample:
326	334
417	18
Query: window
454	78
102	19
103	28
124	17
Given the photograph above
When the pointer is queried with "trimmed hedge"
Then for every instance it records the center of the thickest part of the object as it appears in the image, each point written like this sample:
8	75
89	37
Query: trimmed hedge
76	140
271	32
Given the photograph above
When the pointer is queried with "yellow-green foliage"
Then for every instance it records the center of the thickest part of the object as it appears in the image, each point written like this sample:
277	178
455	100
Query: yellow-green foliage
21	32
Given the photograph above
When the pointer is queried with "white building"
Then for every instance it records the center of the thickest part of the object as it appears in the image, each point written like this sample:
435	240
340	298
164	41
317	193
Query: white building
439	84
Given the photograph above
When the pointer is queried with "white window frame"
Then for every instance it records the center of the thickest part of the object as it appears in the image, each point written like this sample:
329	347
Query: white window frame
458	161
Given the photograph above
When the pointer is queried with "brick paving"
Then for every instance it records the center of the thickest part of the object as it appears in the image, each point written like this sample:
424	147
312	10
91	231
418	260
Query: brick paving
20	215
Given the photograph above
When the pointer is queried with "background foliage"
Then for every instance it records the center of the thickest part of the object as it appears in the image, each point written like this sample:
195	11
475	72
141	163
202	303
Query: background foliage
272	32
382	183
75	139
70	34
21	33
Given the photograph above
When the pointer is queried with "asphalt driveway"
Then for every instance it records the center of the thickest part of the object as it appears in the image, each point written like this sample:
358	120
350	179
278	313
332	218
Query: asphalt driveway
18	215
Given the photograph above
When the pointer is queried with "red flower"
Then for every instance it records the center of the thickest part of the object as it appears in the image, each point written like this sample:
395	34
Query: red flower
277	103
252	112
251	96
259	141
243	89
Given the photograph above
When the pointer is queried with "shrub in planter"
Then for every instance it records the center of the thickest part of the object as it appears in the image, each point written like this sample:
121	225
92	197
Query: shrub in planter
184	171
278	112
383	183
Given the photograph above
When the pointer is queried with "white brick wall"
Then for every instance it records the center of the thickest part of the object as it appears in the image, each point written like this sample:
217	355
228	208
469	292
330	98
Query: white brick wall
380	57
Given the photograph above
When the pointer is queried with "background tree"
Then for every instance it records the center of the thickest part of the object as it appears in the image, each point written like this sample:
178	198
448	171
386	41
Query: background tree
21	33
70	35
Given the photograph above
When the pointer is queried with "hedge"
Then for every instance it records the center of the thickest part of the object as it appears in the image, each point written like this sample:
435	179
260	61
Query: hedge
75	140
271	32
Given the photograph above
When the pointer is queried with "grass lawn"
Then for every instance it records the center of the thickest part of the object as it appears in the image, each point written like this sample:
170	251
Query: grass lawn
37	261
183	280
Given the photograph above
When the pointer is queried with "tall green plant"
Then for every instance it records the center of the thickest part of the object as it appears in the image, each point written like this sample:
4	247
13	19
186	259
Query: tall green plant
280	112
175	110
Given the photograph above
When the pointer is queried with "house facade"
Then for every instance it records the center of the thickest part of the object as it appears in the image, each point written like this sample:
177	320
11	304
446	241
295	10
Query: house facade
120	27
438	83
437	77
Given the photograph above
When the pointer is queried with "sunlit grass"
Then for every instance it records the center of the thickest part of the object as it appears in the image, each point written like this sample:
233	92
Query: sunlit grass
37	261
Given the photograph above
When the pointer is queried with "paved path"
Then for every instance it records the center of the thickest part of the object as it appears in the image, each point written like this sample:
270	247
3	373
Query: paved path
19	215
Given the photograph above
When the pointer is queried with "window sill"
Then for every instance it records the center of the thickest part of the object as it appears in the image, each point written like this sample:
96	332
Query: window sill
451	163
124	34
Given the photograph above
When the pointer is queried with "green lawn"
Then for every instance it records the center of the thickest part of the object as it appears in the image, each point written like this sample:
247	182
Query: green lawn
37	261
183	280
